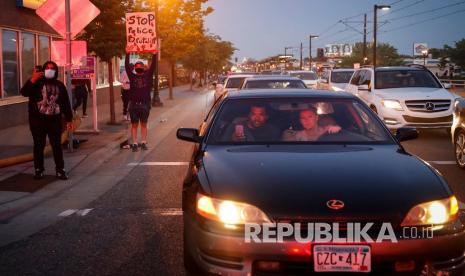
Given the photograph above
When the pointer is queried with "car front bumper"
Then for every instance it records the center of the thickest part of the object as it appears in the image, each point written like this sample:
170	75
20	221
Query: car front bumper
396	119
231	255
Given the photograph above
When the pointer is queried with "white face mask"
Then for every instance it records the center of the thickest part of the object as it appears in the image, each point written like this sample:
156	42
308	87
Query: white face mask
49	73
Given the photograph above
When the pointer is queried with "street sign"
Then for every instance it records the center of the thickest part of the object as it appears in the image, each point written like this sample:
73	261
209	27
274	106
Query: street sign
82	13
86	70
418	48
78	50
140	32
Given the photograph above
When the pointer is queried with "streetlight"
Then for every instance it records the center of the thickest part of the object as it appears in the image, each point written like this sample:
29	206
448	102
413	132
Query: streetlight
310	50
424	54
375	23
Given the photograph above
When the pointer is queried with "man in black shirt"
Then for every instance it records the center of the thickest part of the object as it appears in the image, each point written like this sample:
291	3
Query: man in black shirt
255	129
141	84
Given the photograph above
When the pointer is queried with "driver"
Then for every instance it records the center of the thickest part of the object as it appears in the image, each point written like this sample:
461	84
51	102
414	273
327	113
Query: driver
311	129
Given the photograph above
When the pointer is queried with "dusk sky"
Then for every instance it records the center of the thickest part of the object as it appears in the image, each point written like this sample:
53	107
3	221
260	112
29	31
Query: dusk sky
261	28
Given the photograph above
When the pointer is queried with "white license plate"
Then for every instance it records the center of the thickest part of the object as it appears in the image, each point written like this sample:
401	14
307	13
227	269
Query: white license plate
342	258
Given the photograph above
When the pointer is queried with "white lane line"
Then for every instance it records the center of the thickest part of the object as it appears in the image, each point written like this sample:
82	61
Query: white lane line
442	162
68	212
170	212
83	212
159	164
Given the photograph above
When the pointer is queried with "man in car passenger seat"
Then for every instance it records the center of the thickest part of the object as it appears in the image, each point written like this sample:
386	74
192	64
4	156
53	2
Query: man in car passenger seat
255	128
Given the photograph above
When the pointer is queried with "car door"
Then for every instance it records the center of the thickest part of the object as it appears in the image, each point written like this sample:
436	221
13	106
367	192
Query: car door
365	81
352	86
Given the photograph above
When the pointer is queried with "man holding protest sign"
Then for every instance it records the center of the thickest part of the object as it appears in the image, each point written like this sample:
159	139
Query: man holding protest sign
141	38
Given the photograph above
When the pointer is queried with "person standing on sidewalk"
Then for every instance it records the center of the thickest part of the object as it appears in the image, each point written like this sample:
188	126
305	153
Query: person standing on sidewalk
125	91
48	103
81	91
141	83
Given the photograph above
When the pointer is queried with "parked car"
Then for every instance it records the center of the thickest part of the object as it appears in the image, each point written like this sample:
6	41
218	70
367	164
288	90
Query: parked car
233	82
409	96
458	132
308	77
272	82
244	173
335	80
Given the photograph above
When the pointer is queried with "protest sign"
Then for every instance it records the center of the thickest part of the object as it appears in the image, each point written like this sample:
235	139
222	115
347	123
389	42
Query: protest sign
140	32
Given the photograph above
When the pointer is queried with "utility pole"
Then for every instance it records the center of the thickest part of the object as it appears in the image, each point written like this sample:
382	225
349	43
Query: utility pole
301	53
375	27
156	102
310	50
365	38
68	65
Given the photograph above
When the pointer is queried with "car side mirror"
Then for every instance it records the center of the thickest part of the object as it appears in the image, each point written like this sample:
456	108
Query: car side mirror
188	134
364	87
447	86
405	134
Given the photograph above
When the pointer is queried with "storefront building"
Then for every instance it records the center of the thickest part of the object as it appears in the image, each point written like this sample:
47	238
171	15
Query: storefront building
25	41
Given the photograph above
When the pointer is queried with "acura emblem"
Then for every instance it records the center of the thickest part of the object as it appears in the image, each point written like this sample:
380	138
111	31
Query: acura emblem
429	106
335	204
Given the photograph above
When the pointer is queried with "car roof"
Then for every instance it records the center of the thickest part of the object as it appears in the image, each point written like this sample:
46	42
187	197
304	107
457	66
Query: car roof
300	71
288	93
343	70
268	77
389	68
240	76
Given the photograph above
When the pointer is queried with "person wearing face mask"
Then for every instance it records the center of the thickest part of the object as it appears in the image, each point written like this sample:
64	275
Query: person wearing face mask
141	83
48	103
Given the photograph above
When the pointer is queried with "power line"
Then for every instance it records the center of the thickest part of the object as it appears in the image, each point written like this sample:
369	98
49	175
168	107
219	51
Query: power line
423	21
427	11
402	8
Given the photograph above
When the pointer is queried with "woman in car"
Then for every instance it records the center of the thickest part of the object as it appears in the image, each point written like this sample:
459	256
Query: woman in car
313	128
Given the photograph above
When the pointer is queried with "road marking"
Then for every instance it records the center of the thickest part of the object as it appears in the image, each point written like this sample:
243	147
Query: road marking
159	164
169	212
78	212
442	162
68	212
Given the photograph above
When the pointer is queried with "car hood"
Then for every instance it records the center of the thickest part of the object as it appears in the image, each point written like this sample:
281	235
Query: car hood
374	182
415	93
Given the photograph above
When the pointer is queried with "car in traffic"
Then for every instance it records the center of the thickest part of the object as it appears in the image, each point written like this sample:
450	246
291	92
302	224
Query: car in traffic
233	82
267	162
335	80
458	132
308	77
404	96
272	82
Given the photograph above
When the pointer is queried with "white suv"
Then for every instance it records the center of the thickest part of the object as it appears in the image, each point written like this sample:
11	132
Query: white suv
233	82
409	96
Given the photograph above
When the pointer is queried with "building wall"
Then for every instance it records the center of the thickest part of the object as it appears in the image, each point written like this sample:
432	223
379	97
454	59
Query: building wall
22	18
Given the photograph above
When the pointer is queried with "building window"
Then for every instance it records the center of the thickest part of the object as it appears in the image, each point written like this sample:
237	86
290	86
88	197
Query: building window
10	63
44	49
27	55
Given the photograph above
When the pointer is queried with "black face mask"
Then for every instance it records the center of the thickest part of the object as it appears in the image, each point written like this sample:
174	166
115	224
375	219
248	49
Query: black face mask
139	70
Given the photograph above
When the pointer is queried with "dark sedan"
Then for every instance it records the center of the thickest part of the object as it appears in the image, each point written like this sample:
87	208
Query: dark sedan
295	183
458	132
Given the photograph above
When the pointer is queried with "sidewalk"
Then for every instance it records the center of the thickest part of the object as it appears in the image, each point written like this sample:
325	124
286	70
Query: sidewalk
16	181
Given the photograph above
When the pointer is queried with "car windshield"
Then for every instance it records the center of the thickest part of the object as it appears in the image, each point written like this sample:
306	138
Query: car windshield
234	82
296	120
273	84
405	78
305	75
341	77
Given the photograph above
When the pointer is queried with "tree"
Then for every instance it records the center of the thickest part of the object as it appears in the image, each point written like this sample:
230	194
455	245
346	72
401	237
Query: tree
386	55
457	53
106	38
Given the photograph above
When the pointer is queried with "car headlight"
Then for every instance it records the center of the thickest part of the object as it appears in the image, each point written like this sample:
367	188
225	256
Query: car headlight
393	104
229	212
433	212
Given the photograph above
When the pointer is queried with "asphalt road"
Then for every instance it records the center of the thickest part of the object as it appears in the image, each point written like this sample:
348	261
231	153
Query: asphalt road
136	227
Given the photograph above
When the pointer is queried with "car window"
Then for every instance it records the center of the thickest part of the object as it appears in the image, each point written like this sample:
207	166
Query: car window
273	84
341	77
405	78
234	82
296	120
355	78
365	78
305	75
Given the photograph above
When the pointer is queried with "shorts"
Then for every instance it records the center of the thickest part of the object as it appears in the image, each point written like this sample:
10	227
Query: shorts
139	112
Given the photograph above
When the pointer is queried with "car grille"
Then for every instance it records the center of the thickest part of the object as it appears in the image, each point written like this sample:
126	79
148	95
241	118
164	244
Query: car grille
445	119
428	105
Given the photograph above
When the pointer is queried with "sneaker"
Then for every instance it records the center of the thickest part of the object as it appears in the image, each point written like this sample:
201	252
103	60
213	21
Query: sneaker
135	148
61	174
39	174
143	146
